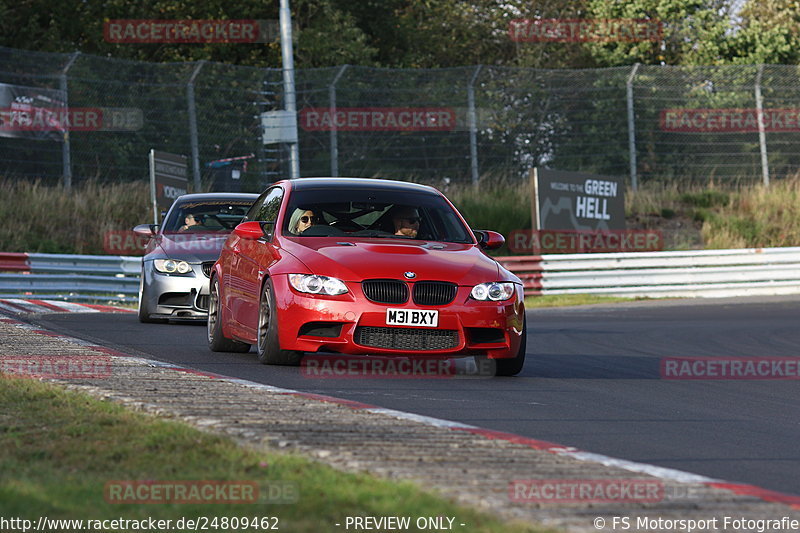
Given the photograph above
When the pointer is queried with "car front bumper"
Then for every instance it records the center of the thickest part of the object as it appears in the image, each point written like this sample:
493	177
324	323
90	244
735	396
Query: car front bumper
176	296
352	324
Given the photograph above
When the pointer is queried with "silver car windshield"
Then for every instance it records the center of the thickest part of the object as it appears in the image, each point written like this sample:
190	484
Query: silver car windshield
207	216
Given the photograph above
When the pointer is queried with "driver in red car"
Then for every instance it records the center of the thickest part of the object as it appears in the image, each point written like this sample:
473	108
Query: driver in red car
406	221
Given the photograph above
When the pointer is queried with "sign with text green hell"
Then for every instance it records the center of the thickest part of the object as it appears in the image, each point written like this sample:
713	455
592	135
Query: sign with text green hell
578	201
168	180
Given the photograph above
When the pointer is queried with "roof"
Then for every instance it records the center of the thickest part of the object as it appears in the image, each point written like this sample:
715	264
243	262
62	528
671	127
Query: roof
358	183
196	197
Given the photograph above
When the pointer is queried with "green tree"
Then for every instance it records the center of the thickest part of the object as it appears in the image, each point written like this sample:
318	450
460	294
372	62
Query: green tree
693	32
766	32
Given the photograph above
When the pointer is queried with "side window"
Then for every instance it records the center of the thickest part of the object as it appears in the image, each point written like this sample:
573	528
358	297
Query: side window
251	213
268	211
266	207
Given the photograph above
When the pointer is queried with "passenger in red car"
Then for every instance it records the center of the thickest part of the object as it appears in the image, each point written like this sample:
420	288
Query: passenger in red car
406	221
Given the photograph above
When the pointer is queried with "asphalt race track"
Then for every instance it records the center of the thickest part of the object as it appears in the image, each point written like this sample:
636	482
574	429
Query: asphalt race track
592	380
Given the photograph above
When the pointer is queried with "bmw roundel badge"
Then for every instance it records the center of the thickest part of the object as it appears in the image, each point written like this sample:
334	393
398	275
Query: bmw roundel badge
410	275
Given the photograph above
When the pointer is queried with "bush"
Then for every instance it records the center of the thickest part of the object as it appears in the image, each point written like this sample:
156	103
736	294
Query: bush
45	219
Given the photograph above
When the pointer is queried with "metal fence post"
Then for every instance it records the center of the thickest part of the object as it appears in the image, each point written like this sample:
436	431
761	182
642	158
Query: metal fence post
66	156
287	56
334	136
762	136
193	125
632	127
473	135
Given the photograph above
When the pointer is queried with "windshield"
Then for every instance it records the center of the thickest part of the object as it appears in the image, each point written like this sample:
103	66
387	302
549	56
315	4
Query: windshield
382	213
206	216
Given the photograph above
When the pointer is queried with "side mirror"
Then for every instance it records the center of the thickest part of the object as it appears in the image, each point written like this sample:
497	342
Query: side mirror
250	230
145	230
489	240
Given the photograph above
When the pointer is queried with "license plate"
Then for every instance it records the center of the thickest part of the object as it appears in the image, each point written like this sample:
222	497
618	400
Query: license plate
412	317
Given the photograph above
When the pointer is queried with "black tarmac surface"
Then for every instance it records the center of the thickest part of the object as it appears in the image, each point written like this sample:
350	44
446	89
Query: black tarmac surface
592	380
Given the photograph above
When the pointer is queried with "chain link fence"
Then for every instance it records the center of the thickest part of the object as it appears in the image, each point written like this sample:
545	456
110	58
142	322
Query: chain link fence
726	123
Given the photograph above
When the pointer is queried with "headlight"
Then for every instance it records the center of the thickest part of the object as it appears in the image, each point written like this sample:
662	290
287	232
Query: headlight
172	266
496	292
317	284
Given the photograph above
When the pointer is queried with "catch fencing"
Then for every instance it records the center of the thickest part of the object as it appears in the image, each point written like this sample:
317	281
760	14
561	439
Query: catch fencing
437	126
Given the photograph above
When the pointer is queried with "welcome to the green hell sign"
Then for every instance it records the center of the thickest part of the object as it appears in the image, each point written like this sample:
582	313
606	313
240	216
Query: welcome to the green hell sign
577	201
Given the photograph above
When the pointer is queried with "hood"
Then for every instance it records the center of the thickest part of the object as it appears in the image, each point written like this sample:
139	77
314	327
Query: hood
190	247
390	258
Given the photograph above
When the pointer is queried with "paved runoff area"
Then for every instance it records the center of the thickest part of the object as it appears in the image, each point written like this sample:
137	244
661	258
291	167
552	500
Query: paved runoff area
514	477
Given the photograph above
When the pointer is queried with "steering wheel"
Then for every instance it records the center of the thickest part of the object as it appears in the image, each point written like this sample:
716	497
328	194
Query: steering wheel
346	225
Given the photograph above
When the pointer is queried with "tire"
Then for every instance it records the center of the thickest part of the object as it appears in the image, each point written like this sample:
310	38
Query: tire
217	342
269	348
513	366
144	305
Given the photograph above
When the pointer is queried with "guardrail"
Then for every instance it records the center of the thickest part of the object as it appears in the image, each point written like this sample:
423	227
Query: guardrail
70	277
694	273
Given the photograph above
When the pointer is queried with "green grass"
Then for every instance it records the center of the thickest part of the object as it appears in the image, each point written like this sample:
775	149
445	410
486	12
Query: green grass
497	206
564	300
38	218
58	449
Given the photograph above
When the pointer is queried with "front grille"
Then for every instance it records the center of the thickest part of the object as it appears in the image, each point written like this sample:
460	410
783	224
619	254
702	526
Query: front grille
385	291
434	292
413	340
207	266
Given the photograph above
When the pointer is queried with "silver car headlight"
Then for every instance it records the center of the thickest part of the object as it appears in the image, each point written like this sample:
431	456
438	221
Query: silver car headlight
495	291
172	266
314	284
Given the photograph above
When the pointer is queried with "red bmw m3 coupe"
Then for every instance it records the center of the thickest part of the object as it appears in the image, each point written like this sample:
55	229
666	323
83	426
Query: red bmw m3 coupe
363	267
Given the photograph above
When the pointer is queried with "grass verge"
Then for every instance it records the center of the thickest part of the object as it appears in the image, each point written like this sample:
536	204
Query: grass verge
38	218
565	300
59	449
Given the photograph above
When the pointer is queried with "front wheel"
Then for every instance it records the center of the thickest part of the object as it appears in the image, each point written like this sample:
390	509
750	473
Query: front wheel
269	348
513	366
217	342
